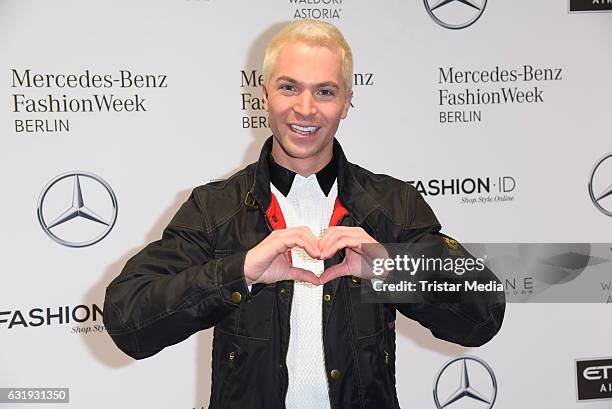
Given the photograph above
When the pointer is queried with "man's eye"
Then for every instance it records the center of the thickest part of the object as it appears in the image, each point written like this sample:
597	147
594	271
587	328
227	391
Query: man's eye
287	87
326	93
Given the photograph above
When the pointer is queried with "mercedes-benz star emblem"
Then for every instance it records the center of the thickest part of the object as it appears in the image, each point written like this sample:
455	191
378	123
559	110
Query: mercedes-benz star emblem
53	206
598	195
482	376
455	14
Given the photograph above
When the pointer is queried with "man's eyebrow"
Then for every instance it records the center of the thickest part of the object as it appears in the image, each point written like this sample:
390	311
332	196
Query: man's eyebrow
286	78
328	84
320	85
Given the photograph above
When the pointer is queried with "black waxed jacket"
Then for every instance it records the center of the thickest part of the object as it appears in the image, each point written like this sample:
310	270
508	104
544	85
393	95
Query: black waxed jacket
193	279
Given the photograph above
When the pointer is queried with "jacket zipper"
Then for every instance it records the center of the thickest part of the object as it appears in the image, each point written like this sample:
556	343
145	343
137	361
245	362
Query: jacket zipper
386	369
329	392
284	356
231	364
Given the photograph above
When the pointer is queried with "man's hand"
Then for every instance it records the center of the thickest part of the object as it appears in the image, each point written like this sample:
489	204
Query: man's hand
268	262
350	239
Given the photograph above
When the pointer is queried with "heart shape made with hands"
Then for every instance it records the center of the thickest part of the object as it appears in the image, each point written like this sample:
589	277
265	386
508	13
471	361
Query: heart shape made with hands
352	240
269	261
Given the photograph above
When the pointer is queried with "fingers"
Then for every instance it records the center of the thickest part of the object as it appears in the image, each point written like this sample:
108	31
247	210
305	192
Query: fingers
339	237
334	239
328	236
300	274
300	237
341	243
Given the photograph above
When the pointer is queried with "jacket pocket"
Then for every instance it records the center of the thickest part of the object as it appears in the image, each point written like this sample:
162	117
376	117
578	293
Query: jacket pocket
368	316
255	316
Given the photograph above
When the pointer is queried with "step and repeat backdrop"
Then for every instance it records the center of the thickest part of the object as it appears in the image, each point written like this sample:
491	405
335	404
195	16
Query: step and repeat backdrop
111	112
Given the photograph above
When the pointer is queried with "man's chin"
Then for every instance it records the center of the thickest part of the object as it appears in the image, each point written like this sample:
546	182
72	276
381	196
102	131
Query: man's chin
300	153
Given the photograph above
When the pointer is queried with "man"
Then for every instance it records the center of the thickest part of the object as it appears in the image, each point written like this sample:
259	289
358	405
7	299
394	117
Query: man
271	256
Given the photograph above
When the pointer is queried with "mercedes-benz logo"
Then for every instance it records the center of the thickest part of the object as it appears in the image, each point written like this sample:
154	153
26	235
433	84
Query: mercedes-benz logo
64	211
597	198
465	390
457	14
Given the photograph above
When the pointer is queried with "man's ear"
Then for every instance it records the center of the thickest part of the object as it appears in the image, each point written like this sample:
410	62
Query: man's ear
265	95
347	103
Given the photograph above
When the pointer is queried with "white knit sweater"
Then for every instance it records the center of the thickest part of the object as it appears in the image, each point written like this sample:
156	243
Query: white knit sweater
306	205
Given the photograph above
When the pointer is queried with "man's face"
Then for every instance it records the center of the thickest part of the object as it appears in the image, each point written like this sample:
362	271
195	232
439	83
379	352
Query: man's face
306	99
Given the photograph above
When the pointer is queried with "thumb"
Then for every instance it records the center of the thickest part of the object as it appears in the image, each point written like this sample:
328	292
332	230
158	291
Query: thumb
332	272
301	274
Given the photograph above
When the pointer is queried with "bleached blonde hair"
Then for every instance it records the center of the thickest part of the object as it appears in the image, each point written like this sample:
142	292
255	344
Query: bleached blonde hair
311	32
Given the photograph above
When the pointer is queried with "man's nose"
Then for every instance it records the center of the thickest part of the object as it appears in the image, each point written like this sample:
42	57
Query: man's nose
305	104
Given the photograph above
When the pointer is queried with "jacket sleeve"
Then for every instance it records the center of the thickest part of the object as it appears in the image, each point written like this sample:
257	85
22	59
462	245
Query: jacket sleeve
173	287
477	316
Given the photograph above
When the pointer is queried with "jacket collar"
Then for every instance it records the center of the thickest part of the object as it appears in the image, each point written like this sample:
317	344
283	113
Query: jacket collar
282	178
350	192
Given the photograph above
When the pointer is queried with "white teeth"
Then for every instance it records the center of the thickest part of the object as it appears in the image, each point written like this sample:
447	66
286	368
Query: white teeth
306	129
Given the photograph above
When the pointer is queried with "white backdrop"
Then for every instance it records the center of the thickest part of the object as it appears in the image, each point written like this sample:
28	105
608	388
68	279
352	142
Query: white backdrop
190	128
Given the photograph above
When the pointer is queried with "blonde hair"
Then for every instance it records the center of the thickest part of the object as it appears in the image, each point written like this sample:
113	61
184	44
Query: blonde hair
311	32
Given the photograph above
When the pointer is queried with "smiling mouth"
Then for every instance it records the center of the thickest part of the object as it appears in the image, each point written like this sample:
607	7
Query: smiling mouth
304	130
